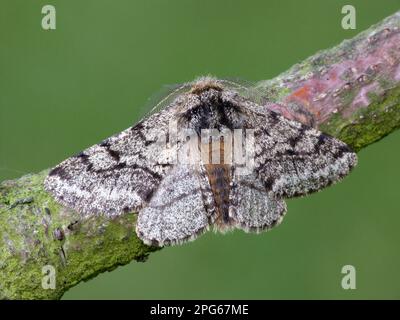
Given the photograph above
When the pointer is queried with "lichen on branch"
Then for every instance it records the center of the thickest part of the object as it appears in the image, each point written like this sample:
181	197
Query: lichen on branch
35	232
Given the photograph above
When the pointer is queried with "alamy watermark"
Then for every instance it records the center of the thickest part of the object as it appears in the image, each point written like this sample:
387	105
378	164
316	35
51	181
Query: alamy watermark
49	277
349	18
207	146
49	18
349	280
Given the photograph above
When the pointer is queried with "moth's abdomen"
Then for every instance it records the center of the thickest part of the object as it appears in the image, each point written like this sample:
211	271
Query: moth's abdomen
219	177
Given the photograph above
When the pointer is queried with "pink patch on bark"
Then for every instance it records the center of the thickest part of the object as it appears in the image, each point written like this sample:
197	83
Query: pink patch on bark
397	73
361	99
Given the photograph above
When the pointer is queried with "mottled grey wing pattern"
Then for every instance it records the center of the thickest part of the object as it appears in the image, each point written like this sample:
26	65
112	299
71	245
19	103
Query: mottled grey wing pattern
252	208
180	209
292	159
116	176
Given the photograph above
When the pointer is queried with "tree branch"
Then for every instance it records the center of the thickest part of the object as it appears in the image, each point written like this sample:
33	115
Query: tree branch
351	91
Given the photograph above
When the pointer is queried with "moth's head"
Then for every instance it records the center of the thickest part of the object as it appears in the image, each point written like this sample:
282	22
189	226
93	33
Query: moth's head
204	84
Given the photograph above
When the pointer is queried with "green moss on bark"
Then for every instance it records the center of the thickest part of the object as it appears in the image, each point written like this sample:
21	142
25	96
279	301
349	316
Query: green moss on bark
35	231
369	124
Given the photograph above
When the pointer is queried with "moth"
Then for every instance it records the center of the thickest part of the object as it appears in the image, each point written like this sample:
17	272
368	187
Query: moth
211	157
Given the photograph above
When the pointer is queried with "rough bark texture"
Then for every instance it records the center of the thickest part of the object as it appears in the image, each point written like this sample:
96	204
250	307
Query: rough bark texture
351	91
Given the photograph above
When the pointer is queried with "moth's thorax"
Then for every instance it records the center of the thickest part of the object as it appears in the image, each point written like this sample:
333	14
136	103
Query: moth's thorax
210	106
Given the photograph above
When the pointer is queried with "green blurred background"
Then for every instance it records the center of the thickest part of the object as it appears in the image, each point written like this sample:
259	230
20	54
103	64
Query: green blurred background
64	90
